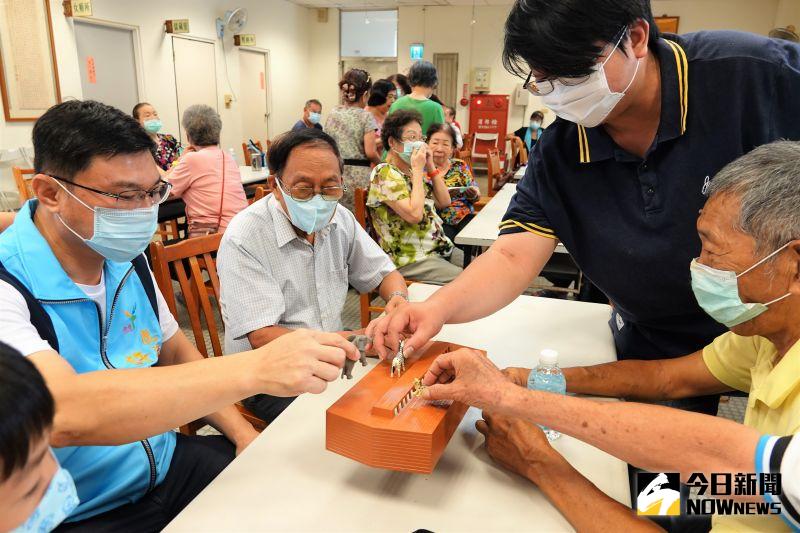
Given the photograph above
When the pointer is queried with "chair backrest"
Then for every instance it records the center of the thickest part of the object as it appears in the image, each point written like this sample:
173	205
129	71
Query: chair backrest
467	142
22	177
246	152
261	192
191	261
493	168
360	206
512	161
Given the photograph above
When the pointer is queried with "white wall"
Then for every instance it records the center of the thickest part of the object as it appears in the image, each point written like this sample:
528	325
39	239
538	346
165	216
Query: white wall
323	66
280	27
788	12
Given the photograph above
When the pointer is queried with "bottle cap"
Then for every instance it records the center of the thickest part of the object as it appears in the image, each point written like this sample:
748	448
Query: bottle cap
548	357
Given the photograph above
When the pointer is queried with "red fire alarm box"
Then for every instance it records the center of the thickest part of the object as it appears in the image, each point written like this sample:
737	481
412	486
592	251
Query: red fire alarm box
488	120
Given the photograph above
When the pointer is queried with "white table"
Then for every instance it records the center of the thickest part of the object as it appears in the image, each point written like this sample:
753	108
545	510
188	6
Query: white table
287	481
249	175
520	172
484	229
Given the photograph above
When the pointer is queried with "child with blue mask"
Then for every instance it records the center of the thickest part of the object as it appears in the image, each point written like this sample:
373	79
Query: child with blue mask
36	494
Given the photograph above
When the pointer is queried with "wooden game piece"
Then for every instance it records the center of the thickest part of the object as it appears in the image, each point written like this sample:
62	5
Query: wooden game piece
382	422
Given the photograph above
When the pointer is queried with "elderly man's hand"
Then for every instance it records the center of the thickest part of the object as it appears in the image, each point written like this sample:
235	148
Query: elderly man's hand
517	375
514	443
395	302
466	376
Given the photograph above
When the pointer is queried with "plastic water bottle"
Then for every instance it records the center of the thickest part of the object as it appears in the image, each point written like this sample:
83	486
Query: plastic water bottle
548	377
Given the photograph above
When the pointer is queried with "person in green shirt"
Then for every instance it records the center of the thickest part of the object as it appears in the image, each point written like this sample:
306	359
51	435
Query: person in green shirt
423	79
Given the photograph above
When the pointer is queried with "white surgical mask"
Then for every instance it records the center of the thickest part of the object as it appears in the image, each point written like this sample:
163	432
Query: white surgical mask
590	102
535	124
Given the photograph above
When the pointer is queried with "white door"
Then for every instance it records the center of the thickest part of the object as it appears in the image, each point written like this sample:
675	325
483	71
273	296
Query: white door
195	75
107	55
447	68
253	94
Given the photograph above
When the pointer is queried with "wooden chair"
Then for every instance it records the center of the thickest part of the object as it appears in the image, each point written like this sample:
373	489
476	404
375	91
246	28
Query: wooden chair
467	141
192	260
494	169
23	182
362	216
261	192
246	152
519	153
168	230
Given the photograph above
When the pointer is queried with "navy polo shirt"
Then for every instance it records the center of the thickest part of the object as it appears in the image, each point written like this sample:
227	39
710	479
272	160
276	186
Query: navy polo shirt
628	222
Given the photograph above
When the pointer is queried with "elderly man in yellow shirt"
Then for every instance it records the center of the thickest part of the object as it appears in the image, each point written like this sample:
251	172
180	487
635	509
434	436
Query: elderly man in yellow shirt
747	277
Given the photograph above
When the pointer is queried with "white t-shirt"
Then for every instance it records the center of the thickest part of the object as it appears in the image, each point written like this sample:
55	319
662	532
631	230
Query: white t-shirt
17	331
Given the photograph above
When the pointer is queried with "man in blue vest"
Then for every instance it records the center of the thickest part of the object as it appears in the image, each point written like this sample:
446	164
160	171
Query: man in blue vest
77	298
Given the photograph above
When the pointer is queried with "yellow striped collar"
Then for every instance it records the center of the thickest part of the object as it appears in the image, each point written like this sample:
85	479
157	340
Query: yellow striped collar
594	144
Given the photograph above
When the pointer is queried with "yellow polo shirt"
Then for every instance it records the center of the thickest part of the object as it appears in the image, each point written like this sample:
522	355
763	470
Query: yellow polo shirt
773	405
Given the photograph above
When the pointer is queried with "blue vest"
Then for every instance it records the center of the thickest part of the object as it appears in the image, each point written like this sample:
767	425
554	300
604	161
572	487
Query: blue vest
129	336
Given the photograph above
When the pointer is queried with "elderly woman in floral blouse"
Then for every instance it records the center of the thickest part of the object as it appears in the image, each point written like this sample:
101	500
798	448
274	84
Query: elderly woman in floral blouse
461	184
168	148
404	194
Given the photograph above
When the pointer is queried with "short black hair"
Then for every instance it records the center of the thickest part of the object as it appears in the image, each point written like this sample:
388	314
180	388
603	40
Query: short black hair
313	101
26	409
402	81
137	107
423	74
282	147
559	37
69	135
537	113
444	128
395	122
380	92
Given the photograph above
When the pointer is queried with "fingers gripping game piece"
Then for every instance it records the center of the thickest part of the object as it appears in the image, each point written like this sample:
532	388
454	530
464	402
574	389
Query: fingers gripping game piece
399	362
361	342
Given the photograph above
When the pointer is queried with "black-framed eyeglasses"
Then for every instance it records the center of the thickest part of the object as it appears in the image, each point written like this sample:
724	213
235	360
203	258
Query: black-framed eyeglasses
156	195
304	193
546	85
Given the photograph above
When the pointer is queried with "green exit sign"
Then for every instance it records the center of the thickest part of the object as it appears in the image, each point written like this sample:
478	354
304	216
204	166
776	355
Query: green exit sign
244	39
177	26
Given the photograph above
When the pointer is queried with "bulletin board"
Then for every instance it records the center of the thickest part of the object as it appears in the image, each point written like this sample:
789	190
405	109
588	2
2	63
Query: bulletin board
28	70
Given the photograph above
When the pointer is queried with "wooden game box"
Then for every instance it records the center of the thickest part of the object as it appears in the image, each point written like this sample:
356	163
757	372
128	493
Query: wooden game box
379	423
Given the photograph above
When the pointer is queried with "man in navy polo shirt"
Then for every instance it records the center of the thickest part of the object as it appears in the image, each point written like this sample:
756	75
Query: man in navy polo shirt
644	121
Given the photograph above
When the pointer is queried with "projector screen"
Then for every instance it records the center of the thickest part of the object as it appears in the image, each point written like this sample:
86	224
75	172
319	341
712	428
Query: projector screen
368	34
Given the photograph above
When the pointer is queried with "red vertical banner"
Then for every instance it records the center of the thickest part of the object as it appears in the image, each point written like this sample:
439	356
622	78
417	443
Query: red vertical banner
263	81
91	72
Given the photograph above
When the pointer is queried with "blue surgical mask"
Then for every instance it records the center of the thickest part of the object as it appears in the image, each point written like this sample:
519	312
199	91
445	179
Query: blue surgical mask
717	292
408	149
119	234
398	93
59	500
314	118
535	124
310	216
153	125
